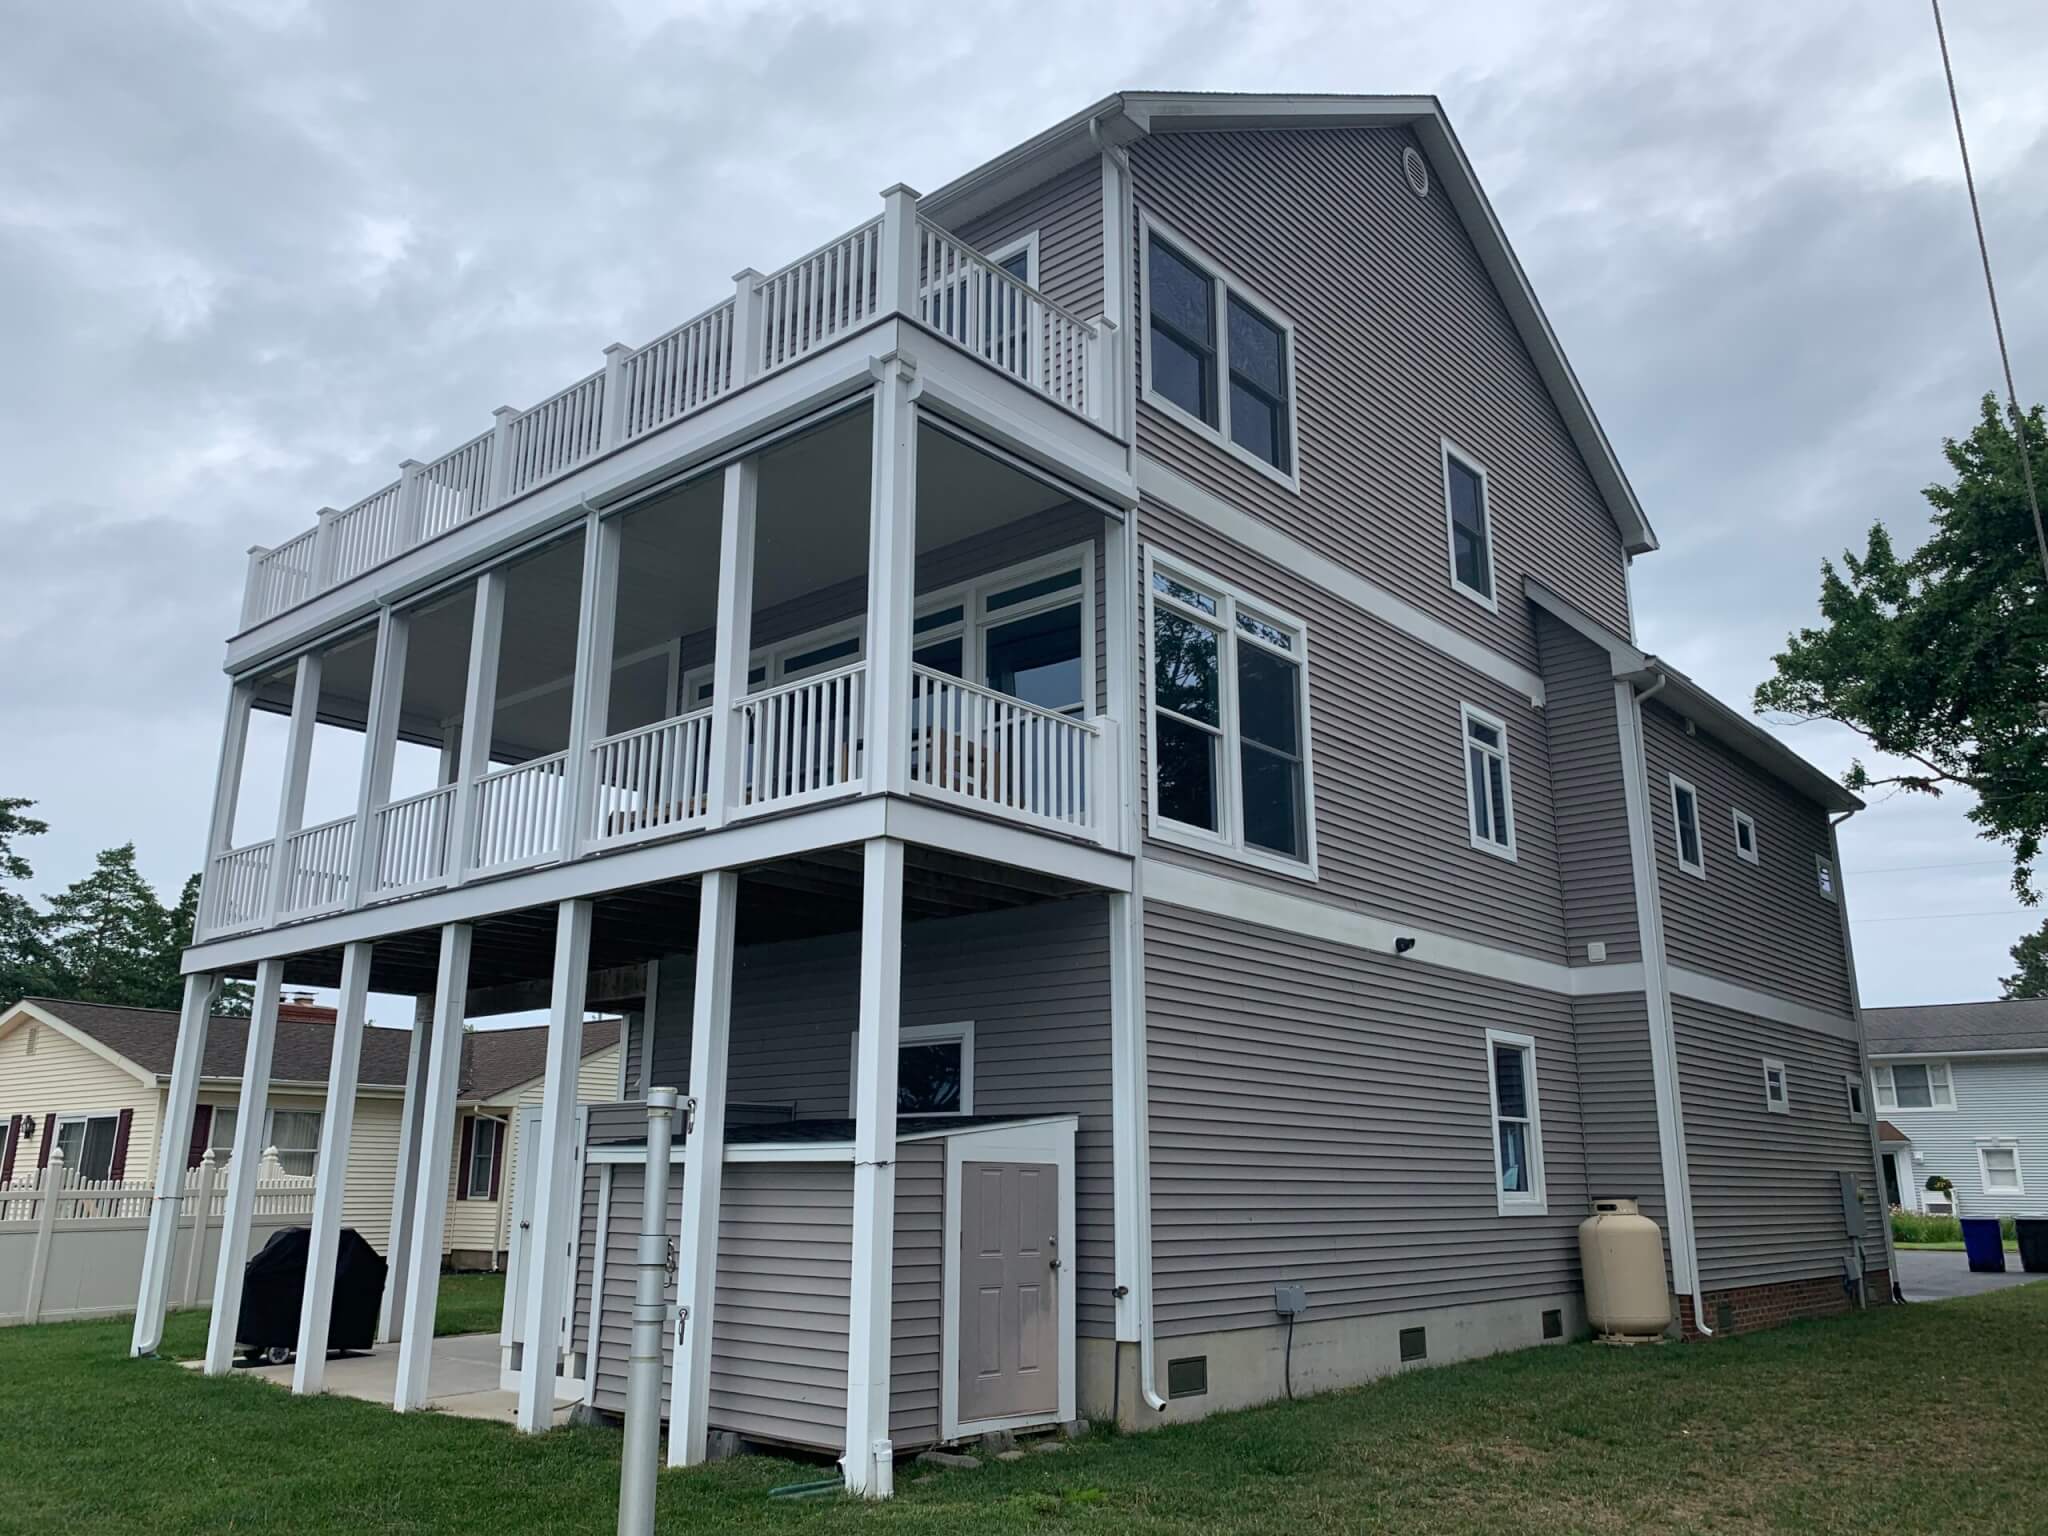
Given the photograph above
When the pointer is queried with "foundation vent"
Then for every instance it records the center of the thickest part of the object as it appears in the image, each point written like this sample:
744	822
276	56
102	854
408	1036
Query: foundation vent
1188	1376
1416	170
1414	1344
1553	1324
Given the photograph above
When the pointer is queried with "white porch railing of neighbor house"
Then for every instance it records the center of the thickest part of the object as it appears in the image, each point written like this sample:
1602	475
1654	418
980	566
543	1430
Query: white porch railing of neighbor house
771	322
519	813
972	743
411	842
319	865
802	740
237	888
651	780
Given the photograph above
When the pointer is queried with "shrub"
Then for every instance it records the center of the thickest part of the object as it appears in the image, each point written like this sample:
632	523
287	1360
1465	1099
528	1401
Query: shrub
1911	1227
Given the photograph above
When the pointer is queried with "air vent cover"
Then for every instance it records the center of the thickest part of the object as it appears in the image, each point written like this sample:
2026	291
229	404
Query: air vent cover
1187	1377
1414	1344
1553	1324
1416	169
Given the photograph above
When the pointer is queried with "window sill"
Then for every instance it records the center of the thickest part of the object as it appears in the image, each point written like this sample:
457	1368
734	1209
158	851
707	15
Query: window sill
1196	840
1486	846
1523	1205
1182	416
1487	600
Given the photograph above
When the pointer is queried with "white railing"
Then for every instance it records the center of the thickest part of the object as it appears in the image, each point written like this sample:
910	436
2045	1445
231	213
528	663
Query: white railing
651	780
676	374
819	296
364	535
411	842
803	740
518	813
319	868
972	743
280	578
237	888
455	487
555	436
1004	321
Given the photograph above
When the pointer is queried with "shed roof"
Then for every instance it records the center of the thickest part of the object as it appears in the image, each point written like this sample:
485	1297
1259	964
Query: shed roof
1958	1029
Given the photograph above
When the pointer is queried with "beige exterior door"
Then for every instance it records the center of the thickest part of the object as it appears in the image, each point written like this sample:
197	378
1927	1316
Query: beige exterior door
1010	1273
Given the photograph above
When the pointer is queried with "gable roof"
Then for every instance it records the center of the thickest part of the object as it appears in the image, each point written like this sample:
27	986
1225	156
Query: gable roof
1130	115
1958	1029
493	1060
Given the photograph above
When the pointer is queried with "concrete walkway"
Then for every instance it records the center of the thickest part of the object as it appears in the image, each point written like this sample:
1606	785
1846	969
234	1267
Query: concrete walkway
1938	1276
462	1379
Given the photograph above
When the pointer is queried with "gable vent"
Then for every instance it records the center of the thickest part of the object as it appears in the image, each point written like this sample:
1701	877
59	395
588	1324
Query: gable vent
1416	169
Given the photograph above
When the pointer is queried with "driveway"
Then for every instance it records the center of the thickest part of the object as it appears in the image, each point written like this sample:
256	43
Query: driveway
1935	1276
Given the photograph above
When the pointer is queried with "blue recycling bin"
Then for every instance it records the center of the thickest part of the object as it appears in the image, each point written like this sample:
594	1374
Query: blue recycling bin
1983	1245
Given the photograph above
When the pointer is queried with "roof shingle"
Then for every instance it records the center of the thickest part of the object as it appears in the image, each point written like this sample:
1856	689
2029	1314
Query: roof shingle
2015	1024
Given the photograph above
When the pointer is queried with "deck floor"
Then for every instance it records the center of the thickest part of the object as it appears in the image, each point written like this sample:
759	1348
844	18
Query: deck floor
462	1379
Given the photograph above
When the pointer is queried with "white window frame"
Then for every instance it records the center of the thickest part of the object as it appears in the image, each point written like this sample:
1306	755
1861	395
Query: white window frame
1489	599
1228	838
1824	878
1857	1093
923	1034
1782	1104
2010	1144
1536	1202
477	1122
1027	243
1467	715
85	1118
1885	1081
1741	819
1223	286
1699	832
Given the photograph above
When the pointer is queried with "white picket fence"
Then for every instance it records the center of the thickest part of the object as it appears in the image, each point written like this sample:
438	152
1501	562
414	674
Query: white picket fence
72	1248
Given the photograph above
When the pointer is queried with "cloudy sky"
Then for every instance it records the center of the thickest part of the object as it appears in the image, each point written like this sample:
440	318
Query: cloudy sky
252	254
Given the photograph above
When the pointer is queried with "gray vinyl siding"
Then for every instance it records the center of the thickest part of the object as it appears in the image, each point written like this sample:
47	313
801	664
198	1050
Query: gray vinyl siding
1401	341
1765	1198
1393	828
1593	853
621	1241
917	1317
1321	1115
1034	980
1762	925
1618	1099
1996	1098
1067	214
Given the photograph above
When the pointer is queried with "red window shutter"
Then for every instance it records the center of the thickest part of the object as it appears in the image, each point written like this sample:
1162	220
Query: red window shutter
497	1156
13	1135
49	1139
468	1140
118	1168
202	1132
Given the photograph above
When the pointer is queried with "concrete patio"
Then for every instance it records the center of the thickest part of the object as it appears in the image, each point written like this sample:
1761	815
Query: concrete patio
463	1379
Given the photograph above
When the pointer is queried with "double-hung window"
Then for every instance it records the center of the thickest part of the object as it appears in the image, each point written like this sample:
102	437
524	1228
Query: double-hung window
1489	793
1470	524
1218	356
934	1069
1517	1123
483	1147
1230	730
1914	1085
1998	1162
1685	823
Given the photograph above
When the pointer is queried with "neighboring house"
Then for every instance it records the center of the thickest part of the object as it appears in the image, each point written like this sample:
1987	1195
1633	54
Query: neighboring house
1092	724
91	1078
1963	1089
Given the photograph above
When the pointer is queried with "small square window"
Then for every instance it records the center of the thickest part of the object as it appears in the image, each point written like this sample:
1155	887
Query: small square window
1852	1086
1777	1088
1685	823
1745	837
1999	1162
1824	876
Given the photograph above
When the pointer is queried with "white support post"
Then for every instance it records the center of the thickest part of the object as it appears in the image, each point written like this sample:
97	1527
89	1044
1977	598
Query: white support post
746	326
1121	607
323	550
436	1154
173	1139
412	504
479	705
330	1173
900	257
500	482
227	790
249	582
874	1170
892	566
390	1314
611	429
557	1185
244	1170
380	746
591	687
703	1167
298	763
733	641
1101	376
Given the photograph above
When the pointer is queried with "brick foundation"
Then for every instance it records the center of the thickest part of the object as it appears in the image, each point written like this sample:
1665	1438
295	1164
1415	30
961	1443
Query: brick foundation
1755	1307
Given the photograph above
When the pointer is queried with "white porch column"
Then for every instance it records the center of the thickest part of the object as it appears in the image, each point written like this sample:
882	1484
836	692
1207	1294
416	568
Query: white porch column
337	1124
174	1138
245	1170
436	1151
380	745
1121	610
733	641
227	793
479	704
892	563
390	1312
557	1173
298	762
590	702
703	1166
874	1172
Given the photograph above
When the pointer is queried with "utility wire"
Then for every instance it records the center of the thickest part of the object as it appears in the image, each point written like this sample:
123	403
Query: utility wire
1935	917
2012	399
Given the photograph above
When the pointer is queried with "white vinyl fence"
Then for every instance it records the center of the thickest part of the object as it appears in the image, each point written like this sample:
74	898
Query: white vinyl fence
72	1248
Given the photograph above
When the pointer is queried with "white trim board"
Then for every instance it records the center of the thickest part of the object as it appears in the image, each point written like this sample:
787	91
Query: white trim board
1182	495
1736	998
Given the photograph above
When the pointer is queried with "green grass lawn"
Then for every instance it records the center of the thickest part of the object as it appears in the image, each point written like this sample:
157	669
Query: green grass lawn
1816	1427
472	1303
1955	1247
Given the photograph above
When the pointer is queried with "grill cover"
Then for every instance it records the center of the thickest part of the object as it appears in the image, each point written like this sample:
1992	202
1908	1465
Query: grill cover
274	1290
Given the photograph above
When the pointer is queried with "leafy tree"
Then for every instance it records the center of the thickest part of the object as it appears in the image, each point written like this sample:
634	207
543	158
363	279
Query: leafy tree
24	961
109	934
1940	658
234	997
